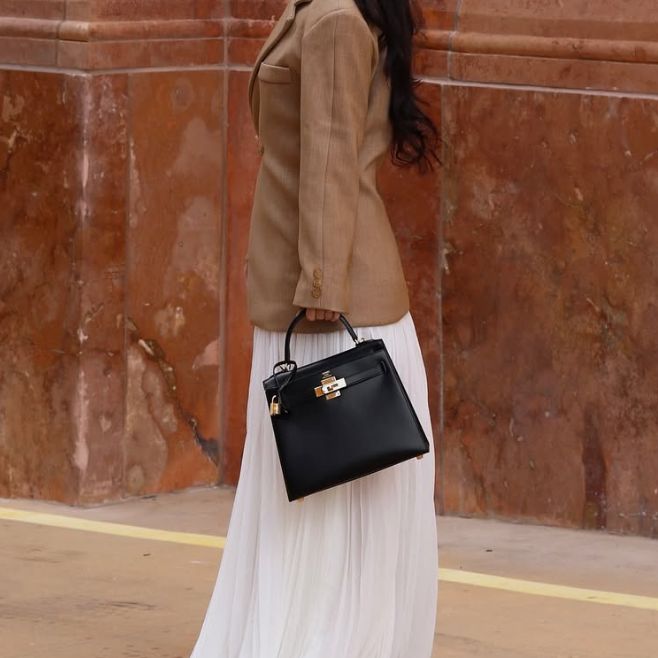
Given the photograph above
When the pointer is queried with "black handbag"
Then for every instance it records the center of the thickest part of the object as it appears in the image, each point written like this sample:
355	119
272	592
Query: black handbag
342	417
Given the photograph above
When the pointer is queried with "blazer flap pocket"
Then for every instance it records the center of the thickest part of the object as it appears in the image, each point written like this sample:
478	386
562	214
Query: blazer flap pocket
274	73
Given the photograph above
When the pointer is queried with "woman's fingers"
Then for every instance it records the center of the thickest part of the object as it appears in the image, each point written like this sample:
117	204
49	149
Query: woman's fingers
322	314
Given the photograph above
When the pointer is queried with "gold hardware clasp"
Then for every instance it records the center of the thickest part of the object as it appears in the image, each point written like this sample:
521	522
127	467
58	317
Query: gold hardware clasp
329	386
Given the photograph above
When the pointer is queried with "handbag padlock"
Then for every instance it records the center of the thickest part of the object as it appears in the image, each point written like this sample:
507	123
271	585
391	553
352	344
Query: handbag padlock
275	407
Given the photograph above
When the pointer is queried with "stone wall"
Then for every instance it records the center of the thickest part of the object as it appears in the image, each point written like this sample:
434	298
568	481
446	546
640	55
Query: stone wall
112	150
127	164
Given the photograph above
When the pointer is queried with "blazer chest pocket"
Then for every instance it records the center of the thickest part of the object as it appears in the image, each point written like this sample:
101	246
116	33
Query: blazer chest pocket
274	73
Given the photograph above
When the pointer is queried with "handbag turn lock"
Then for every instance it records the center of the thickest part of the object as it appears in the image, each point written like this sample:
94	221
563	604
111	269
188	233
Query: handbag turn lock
329	386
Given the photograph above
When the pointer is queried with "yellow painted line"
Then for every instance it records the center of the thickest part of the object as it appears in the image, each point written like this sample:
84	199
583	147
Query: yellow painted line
517	585
538	588
108	528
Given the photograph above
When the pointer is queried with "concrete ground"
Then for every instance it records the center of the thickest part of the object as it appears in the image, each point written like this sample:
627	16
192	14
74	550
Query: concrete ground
133	579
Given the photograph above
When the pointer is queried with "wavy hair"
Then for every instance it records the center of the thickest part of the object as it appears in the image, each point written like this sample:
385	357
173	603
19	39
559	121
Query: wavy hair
415	136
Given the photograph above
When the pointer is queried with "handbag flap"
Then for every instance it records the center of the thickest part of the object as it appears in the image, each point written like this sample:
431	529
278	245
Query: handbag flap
304	391
350	367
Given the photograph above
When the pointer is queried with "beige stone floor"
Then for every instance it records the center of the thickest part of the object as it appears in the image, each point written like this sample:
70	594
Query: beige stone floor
72	593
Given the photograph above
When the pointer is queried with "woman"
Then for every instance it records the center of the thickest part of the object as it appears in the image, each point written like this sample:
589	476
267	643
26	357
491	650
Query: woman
350	572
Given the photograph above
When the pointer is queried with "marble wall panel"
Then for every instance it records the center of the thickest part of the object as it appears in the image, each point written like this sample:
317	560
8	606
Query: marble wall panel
550	351
39	283
102	215
173	279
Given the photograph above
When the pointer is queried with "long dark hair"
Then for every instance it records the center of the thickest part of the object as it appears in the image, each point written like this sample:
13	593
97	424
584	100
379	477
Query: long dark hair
415	136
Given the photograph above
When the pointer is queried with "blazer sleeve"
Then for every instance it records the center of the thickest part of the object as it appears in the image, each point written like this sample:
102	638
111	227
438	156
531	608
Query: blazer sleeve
338	56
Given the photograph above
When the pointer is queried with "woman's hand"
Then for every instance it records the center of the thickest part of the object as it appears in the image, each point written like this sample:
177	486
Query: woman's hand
321	314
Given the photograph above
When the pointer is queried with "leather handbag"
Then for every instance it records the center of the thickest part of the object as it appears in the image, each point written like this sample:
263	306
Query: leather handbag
342	417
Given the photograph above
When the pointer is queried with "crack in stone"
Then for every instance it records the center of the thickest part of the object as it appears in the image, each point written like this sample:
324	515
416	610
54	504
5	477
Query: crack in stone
156	354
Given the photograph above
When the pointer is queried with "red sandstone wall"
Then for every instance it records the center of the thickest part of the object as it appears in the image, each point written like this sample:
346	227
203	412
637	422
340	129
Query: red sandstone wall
129	164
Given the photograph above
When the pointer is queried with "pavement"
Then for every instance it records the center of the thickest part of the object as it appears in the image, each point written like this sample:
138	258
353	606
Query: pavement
133	579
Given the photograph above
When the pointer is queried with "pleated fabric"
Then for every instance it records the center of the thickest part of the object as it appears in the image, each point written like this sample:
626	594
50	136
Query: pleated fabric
350	572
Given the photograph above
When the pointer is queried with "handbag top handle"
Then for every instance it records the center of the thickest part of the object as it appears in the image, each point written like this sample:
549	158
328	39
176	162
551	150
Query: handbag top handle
299	316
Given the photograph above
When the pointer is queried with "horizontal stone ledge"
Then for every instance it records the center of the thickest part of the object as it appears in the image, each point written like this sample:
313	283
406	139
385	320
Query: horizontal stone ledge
39	28
109	55
110	30
576	74
632	20
254	28
559	47
642	52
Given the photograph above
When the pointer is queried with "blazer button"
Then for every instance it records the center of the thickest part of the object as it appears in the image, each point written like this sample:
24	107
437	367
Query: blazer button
317	272
315	292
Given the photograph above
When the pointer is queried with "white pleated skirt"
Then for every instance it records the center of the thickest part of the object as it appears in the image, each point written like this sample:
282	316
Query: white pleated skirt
350	572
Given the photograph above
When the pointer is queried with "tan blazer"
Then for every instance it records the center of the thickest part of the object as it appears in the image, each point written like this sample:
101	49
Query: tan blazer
319	233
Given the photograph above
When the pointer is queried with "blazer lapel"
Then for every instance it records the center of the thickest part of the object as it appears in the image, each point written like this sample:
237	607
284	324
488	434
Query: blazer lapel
279	29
